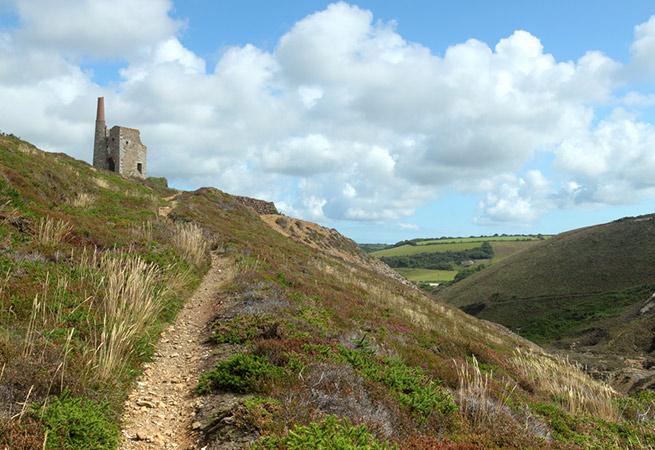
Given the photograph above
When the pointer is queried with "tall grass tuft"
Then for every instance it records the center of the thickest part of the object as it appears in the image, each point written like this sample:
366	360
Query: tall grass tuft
142	231
565	383
190	240
82	199
475	397
38	314
52	231
131	297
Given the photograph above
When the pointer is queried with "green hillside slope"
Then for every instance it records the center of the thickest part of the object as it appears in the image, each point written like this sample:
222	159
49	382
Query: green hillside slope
586	289
314	350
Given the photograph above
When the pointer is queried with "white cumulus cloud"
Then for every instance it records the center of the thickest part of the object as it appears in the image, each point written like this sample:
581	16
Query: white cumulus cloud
517	200
612	163
345	119
643	49
95	28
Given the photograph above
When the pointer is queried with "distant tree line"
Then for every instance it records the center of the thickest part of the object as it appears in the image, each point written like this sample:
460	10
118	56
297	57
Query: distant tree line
439	260
413	242
370	248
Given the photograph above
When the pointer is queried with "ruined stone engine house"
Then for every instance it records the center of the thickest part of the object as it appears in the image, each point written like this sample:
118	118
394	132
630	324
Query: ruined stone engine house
118	149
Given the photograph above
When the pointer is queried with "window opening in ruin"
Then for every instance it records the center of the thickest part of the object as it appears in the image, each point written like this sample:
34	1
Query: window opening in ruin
139	167
111	164
127	142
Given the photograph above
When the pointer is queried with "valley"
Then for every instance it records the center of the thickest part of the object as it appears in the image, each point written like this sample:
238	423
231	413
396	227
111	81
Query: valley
584	293
432	262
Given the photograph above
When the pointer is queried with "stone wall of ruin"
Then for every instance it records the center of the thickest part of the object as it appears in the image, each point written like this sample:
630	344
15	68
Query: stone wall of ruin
128	151
259	206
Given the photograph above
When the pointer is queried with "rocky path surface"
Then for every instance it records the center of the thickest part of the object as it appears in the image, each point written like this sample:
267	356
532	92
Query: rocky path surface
159	413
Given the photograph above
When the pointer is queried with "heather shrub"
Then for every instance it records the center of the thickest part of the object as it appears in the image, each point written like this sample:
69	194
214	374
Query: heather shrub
329	388
244	328
331	433
413	388
242	372
257	414
74	424
25	434
423	442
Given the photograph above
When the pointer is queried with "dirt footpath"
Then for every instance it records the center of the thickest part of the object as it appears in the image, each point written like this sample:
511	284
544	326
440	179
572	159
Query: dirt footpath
160	411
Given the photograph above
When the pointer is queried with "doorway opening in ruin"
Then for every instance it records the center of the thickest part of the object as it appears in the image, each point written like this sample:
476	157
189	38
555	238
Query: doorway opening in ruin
111	164
139	167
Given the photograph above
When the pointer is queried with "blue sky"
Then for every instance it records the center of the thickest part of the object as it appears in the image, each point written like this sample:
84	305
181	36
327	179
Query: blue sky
387	120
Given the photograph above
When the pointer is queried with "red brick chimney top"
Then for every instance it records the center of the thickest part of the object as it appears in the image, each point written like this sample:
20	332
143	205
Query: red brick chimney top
100	117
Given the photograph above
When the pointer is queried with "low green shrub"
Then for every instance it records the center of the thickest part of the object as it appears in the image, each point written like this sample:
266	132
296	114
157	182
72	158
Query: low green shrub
331	433
412	386
74	424
161	182
592	432
242	372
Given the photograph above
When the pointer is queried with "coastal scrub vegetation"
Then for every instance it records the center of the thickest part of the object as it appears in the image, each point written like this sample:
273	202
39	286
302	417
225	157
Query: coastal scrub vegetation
90	274
315	350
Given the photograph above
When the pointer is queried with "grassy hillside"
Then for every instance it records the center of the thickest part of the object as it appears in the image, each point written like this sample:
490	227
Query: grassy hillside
584	289
505	249
90	275
427	275
315	350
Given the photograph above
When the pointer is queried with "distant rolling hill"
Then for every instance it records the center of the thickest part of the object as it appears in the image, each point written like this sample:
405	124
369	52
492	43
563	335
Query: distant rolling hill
589	291
423	270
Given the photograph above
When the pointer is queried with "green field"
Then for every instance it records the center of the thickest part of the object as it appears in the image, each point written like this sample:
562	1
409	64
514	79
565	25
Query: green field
479	239
503	246
434	248
427	274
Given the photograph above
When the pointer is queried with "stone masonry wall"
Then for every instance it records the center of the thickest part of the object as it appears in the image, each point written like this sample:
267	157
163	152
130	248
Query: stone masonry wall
126	142
113	147
100	146
259	206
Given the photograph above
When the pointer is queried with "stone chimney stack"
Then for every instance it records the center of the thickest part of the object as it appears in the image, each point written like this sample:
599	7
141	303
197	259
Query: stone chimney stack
100	116
100	151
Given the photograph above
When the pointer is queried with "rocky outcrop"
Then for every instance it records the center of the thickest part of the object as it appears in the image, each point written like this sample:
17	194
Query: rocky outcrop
259	206
330	241
631	380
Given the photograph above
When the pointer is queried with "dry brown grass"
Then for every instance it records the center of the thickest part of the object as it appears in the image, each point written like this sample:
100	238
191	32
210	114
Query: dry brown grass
28	149
101	182
131	299
52	232
38	314
475	397
83	199
565	383
126	296
190	239
143	231
44	317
